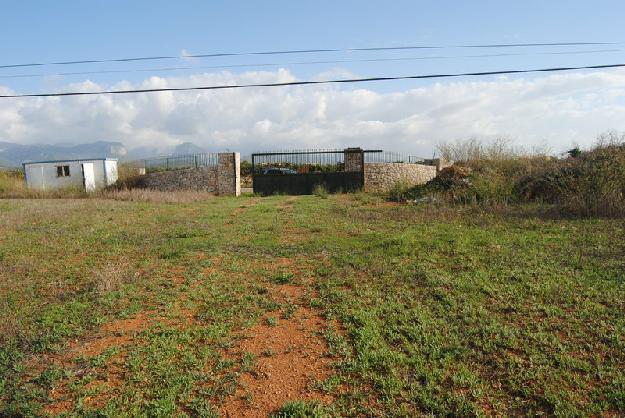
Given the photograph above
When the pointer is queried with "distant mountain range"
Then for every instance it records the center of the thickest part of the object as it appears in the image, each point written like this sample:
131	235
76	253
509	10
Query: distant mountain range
13	155
147	151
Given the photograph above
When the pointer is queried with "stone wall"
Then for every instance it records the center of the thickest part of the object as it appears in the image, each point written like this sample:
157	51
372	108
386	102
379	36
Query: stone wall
223	179
381	177
199	179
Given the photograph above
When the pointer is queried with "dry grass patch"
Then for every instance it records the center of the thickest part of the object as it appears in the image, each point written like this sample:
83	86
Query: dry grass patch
156	196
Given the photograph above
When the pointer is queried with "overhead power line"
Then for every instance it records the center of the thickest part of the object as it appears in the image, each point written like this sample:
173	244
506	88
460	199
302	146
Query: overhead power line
304	83
297	63
299	51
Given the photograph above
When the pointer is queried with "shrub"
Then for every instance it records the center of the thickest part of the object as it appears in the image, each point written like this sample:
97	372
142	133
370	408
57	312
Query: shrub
586	183
320	191
402	192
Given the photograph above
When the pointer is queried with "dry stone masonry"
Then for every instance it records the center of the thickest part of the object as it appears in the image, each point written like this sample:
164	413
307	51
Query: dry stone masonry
354	159
229	174
381	177
224	179
199	179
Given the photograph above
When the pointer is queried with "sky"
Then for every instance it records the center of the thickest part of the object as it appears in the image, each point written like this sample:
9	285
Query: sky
552	111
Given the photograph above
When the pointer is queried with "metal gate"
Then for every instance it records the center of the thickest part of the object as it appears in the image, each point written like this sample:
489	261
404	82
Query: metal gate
299	172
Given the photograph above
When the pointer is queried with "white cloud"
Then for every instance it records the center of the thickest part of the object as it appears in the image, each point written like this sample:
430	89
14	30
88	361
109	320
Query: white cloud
557	110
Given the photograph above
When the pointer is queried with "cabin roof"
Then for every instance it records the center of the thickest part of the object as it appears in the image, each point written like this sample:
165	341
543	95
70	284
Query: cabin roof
68	161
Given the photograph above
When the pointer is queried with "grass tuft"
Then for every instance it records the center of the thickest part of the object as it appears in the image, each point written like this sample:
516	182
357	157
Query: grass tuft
320	191
300	409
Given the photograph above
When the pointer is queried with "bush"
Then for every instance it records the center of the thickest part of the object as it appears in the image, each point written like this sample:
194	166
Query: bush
586	183
403	192
591	184
246	168
320	191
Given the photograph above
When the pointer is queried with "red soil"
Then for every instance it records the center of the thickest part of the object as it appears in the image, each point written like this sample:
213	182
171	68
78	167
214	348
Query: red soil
290	358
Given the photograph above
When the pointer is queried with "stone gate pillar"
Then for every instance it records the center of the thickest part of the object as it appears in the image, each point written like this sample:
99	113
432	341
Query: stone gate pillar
229	173
354	159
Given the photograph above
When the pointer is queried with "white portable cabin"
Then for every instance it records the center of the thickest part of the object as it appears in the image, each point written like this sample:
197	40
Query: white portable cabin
89	174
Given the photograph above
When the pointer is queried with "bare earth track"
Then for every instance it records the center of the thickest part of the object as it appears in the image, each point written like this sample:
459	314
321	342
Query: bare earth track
289	352
291	359
307	306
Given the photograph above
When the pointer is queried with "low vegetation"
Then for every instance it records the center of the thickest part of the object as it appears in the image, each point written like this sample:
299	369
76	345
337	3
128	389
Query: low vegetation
320	191
584	183
503	295
11	180
137	306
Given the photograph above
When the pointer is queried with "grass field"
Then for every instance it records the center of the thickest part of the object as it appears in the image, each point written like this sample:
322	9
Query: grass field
337	306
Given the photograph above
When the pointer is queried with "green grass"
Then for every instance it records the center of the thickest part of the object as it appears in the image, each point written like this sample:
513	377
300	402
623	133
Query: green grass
444	311
299	409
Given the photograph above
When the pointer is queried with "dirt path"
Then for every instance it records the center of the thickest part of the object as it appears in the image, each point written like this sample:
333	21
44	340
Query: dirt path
290	358
290	234
239	210
286	347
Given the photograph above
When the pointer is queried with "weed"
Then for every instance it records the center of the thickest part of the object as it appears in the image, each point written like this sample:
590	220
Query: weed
401	191
282	278
586	183
248	361
430	309
289	311
320	191
300	409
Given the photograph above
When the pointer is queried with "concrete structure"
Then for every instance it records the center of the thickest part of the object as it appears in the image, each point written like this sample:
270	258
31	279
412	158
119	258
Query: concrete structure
439	163
222	179
88	174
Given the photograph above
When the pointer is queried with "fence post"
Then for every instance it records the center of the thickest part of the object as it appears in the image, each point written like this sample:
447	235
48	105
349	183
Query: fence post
195	159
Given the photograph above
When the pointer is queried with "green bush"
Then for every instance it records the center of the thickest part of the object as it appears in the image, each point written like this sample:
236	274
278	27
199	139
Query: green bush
586	183
403	191
246	168
321	191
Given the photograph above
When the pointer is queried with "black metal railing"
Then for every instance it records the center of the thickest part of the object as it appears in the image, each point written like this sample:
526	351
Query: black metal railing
303	161
392	157
176	162
324	160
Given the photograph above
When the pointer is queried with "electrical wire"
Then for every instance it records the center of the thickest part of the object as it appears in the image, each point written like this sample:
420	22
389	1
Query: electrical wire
303	83
301	51
298	63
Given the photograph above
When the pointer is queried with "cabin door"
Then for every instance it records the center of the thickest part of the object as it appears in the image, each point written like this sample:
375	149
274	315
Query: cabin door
88	178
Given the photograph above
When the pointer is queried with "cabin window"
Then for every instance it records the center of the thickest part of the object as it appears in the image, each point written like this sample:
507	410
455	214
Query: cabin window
62	171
